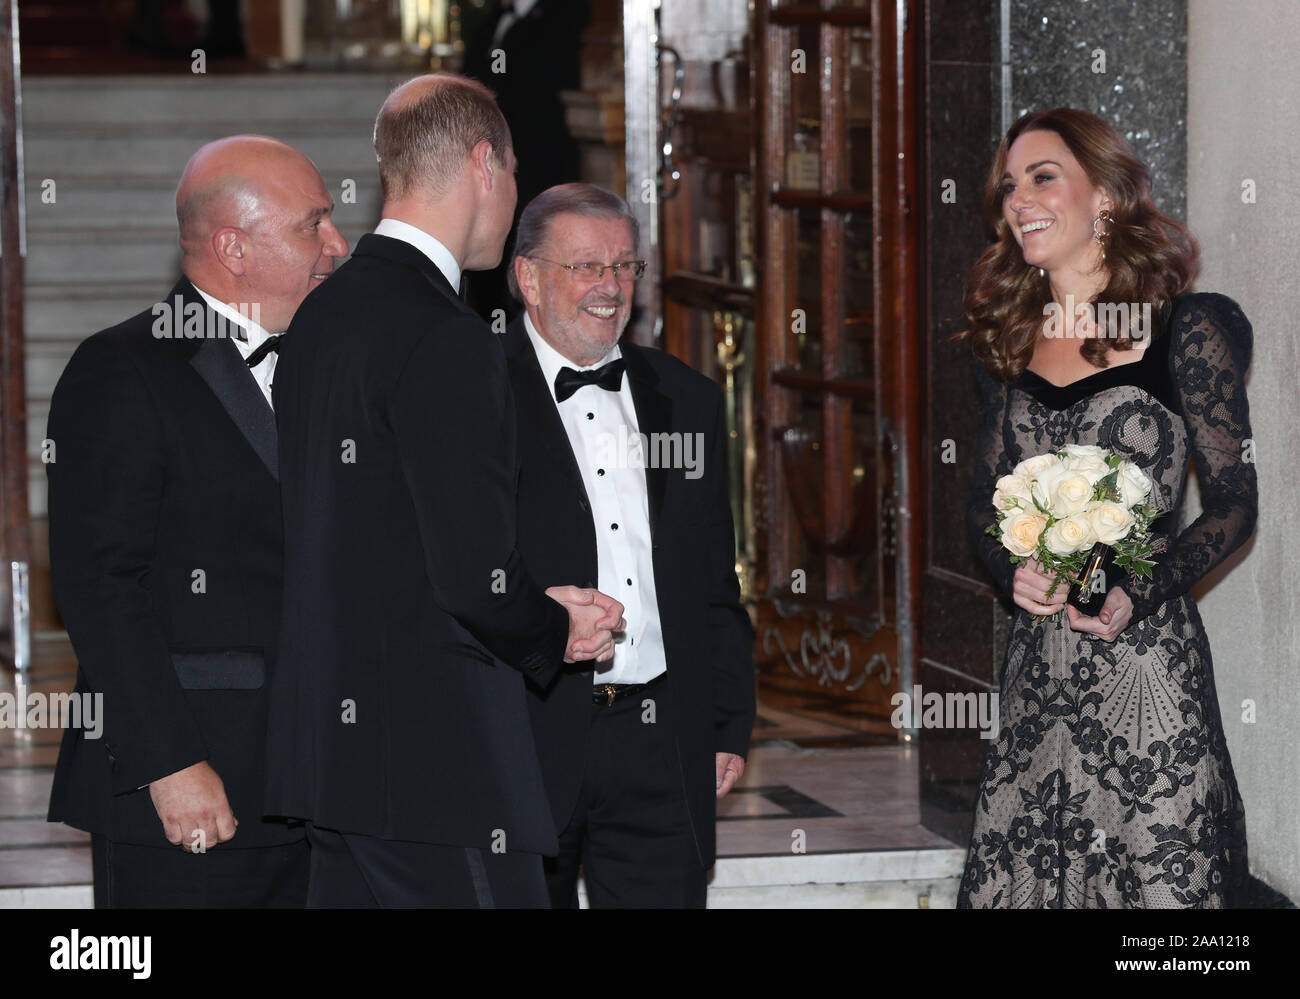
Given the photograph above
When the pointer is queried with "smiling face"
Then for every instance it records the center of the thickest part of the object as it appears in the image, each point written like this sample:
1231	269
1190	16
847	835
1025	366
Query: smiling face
580	318
1050	204
292	244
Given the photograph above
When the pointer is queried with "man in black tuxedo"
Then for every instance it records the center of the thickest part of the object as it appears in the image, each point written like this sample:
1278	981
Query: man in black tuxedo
399	729
623	484
166	550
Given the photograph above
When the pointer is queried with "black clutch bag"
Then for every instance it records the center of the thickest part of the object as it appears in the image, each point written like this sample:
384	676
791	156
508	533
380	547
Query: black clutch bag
1089	593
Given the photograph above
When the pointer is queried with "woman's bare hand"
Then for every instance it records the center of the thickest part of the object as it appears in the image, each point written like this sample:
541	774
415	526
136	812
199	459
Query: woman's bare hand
1111	620
1029	590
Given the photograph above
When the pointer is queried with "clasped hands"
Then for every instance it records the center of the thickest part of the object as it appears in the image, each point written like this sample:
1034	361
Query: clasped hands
595	620
1029	590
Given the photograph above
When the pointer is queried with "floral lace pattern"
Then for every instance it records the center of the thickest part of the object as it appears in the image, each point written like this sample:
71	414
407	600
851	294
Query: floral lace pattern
1109	784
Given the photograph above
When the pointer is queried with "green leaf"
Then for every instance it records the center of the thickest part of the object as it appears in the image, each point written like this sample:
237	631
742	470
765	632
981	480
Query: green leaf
1108	486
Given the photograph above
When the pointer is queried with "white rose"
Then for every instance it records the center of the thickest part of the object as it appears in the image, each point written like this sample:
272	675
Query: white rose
1110	522
1072	494
1086	451
1030	467
1133	484
1094	469
1020	531
1009	489
1070	535
1043	485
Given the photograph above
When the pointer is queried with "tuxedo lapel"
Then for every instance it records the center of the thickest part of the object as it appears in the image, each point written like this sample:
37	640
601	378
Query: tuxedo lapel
219	364
654	415
534	399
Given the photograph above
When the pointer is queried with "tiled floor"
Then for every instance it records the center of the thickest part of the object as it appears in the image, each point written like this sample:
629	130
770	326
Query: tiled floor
34	852
840	800
796	796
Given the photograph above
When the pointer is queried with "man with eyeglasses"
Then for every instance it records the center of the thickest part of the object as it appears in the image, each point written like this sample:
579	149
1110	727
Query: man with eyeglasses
623	482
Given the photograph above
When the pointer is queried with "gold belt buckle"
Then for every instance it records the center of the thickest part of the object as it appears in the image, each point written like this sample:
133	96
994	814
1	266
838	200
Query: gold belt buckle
610	691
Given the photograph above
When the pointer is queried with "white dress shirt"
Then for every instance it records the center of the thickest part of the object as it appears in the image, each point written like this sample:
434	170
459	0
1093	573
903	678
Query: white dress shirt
600	424
264	373
426	244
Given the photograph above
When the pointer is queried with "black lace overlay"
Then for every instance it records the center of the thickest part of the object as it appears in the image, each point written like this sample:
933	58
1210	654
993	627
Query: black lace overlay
1109	783
1210	348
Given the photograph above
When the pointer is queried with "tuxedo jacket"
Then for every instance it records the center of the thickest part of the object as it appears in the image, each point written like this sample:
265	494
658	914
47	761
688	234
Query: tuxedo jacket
708	638
409	619
165	549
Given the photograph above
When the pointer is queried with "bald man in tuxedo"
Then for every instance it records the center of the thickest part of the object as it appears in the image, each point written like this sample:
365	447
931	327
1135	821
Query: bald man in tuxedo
165	545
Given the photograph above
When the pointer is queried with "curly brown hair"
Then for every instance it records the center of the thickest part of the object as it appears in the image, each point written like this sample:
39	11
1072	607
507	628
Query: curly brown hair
1149	256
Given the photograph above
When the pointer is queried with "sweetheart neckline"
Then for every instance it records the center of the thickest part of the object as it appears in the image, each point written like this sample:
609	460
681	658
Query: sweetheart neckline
1103	371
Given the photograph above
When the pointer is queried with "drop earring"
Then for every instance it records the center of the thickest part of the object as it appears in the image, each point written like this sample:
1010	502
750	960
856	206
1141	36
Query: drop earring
1104	218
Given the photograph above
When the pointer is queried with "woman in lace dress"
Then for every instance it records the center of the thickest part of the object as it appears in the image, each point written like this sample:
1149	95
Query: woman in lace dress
1109	783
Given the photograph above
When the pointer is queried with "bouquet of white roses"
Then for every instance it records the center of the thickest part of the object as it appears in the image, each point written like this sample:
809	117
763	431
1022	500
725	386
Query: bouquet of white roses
1078	511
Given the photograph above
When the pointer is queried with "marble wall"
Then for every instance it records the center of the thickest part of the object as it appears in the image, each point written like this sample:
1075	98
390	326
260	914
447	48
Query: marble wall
1124	61
1243	138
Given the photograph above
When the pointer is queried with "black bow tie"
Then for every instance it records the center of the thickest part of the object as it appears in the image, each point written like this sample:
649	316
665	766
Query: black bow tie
271	343
607	376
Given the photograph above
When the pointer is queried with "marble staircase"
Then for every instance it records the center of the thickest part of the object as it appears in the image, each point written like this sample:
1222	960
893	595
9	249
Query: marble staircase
101	160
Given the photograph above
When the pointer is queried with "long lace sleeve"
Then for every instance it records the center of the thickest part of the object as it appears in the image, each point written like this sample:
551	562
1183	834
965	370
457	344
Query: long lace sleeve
1208	356
991	463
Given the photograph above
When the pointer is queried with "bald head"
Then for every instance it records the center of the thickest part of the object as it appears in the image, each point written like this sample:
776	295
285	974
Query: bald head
427	129
254	219
226	183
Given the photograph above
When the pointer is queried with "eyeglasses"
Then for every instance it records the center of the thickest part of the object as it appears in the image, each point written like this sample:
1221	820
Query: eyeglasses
593	272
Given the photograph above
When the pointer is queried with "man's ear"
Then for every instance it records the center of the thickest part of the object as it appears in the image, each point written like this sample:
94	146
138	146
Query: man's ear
481	158
526	276
229	245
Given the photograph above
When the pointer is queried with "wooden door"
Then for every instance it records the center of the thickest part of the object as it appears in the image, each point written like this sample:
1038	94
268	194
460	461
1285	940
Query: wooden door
838	358
785	263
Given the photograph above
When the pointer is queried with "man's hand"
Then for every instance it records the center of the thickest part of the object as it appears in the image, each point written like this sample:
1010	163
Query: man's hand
193	808
1113	618
593	621
728	768
1029	589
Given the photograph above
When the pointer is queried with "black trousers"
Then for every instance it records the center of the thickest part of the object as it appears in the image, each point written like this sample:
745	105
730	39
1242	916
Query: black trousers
153	877
631	831
361	872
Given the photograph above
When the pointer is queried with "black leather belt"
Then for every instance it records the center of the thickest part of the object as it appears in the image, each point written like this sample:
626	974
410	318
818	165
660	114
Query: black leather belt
607	693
